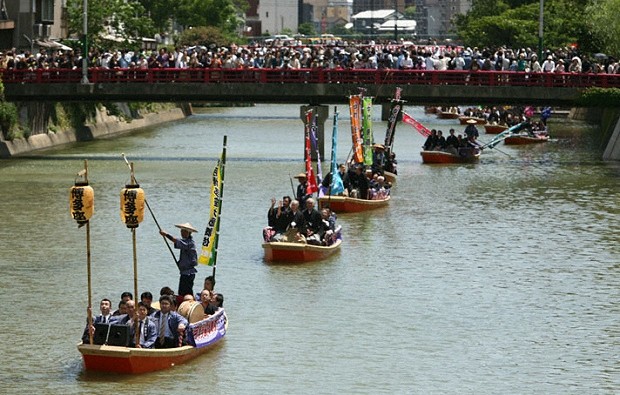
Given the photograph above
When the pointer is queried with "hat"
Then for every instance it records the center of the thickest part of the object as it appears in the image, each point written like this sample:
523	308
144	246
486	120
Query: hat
380	146
472	121
301	175
186	226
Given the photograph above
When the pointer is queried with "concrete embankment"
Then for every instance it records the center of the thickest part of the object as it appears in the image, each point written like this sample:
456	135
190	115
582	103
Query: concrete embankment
102	126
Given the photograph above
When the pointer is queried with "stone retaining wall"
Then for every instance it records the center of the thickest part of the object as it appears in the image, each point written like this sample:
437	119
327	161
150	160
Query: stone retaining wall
104	126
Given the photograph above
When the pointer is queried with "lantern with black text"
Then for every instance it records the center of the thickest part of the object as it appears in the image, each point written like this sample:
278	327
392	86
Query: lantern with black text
132	205
81	202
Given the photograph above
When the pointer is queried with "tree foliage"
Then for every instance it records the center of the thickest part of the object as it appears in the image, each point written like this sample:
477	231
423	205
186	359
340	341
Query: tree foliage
207	36
126	19
515	23
218	13
605	25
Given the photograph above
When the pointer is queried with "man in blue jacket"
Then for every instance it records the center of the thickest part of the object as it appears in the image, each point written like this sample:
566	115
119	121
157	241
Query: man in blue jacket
170	324
188	258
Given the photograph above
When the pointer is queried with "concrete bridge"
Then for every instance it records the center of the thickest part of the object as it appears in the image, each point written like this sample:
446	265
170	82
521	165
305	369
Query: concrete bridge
419	87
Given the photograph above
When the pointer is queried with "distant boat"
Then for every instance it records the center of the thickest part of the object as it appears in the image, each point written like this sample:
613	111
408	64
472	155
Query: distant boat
118	359
390	177
479	121
298	252
345	204
442	157
494	128
447	115
524	139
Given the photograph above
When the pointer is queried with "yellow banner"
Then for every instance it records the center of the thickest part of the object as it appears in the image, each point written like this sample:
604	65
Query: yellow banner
208	252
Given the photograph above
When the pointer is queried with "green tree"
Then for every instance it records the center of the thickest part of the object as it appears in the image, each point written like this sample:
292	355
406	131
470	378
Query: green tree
605	25
159	13
219	13
307	28
125	18
409	12
204	35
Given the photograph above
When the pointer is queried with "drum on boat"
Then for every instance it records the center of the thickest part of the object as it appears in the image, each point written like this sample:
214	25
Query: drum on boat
192	310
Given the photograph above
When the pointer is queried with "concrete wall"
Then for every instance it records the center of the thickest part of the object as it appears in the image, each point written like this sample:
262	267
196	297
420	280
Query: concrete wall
104	126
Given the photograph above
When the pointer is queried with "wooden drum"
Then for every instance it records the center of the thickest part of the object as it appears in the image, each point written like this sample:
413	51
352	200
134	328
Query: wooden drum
192	310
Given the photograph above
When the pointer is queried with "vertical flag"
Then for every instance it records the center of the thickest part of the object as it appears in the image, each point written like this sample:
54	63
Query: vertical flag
367	129
310	177
355	109
315	146
207	254
336	185
395	108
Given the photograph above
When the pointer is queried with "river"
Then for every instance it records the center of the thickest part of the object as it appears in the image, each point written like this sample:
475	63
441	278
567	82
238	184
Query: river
501	277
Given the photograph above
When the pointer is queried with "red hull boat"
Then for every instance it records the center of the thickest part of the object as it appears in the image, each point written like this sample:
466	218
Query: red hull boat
116	359
298	252
345	204
442	157
525	139
494	129
447	115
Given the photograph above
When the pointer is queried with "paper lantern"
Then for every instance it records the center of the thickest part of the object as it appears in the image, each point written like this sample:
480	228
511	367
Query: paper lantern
81	202
132	205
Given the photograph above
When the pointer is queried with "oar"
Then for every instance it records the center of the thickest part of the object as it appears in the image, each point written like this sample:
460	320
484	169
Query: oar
292	186
153	215
495	148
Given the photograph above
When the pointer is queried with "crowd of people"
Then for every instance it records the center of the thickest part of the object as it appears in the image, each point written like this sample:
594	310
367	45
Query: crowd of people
161	324
334	55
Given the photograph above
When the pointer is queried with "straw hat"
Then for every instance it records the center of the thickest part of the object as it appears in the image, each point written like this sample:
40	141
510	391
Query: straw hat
471	121
186	226
300	175
380	146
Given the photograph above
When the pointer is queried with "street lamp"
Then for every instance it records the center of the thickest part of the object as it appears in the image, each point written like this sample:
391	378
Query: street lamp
540	30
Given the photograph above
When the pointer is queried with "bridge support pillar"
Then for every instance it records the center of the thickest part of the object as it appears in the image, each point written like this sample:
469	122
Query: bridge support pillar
322	113
612	151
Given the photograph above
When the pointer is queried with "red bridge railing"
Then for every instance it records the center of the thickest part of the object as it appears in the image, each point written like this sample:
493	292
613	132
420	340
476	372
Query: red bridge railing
312	76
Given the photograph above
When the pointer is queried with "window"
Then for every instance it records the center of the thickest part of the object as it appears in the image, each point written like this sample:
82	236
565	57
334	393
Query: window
45	10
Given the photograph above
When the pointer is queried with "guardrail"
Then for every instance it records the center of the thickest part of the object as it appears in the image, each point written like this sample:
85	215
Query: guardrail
313	76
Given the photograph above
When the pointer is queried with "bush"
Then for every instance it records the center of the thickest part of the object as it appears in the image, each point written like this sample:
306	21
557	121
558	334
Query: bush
8	118
600	97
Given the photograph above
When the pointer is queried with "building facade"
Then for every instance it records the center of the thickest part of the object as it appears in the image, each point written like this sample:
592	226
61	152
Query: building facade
278	15
435	17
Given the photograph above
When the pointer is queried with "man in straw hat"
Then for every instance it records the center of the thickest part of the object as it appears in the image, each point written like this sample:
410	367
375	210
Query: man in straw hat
471	131
301	194
188	258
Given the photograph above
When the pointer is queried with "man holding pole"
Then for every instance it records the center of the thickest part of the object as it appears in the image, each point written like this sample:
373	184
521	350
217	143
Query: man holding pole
188	258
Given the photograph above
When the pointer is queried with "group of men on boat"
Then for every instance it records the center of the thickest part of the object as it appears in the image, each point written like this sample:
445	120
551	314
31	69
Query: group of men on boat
162	324
288	223
454	144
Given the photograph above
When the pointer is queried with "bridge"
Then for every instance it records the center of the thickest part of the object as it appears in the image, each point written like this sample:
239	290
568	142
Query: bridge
301	86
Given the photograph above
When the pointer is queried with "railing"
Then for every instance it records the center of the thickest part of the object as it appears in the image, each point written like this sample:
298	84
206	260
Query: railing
312	76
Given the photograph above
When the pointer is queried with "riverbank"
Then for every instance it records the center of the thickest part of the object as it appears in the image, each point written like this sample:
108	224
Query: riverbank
103	125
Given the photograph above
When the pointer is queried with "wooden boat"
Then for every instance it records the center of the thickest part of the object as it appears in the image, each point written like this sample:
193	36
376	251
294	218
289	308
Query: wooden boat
494	128
479	121
524	139
447	115
430	110
345	204
202	335
390	177
278	251
442	157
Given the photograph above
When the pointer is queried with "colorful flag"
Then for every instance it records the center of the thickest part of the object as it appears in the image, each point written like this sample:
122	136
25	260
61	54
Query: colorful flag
367	129
315	146
311	186
395	109
423	130
209	241
355	109
336	187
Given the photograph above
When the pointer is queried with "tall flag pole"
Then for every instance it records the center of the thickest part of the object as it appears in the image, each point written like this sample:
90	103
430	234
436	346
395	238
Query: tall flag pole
355	109
367	129
395	109
311	186
315	146
335	186
210	241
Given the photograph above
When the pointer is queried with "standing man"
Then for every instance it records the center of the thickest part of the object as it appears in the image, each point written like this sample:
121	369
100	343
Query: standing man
188	258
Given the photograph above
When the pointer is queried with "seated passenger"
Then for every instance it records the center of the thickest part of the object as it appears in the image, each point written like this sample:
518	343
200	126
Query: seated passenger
312	229
146	326
431	141
103	318
208	284
125	296
122	319
382	190
170	324
147	299
295	222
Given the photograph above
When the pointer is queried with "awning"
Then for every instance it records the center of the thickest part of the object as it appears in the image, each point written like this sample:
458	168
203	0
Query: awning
52	45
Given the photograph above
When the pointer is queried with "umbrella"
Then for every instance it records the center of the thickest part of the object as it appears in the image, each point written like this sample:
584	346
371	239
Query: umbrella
600	56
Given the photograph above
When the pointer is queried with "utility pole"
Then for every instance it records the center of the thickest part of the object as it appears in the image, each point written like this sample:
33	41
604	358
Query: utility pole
85	31
540	30
396	21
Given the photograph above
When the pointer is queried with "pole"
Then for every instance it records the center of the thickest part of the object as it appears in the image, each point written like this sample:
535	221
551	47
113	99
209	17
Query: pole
85	32
89	319
540	30
219	211
395	22
136	324
150	211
